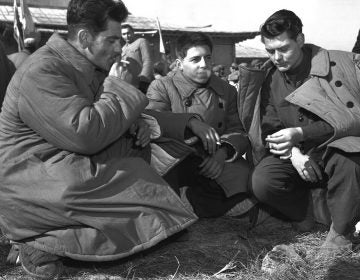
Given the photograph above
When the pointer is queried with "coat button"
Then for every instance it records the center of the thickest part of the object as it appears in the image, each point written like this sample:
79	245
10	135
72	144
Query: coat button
219	124
301	118
188	102
338	83
349	104
332	63
221	105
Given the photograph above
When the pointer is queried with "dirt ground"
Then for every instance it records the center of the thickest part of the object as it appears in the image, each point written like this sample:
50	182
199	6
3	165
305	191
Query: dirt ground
222	248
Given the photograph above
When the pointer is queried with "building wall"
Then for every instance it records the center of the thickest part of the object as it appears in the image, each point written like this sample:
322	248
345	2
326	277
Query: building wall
40	3
223	51
224	55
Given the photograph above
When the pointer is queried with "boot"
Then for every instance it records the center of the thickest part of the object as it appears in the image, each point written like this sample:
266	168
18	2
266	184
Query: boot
335	244
13	257
241	208
39	264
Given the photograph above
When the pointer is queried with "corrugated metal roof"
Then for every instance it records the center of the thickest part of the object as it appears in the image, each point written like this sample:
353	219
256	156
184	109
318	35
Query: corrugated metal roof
40	3
145	23
49	17
41	16
243	51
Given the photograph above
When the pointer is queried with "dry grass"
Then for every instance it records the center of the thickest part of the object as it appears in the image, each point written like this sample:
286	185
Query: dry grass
215	249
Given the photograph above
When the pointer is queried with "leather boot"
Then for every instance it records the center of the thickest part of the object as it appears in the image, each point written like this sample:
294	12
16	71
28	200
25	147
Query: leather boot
39	264
335	244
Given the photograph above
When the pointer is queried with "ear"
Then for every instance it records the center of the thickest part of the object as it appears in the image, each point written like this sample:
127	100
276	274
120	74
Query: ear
300	39
179	63
84	38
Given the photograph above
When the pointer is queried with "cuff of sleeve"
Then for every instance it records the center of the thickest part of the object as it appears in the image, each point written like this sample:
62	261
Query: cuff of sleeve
306	131
232	154
173	125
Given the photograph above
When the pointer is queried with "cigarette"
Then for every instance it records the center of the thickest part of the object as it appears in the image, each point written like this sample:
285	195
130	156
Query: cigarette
124	61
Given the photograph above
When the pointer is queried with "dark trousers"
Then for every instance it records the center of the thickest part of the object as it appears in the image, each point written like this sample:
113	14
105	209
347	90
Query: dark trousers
276	183
206	197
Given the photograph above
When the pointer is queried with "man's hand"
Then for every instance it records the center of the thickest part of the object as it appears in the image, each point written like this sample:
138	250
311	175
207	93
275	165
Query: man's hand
208	135
118	69
307	168
212	166
281	142
141	133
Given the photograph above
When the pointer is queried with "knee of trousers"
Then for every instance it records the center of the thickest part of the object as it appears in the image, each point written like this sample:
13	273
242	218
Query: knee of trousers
260	186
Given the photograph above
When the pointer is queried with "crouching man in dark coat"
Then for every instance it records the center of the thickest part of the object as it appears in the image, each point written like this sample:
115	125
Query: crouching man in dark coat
307	115
74	183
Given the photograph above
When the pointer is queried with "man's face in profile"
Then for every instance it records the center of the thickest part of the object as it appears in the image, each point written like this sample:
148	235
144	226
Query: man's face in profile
105	47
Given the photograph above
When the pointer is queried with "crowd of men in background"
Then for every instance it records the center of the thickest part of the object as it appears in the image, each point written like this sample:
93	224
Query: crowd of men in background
141	67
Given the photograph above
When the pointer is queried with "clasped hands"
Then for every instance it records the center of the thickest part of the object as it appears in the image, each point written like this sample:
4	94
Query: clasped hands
212	165
283	143
307	168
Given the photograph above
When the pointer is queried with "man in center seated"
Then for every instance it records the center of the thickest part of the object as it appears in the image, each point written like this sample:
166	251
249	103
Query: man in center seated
204	105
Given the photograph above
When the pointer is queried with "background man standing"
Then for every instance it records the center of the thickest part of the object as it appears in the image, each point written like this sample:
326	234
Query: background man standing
138	53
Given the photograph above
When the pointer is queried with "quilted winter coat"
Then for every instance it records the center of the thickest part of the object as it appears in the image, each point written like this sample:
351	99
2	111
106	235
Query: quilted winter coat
71	183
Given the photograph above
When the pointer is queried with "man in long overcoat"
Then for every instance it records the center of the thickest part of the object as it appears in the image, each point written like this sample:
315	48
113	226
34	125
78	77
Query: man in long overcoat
75	178
304	127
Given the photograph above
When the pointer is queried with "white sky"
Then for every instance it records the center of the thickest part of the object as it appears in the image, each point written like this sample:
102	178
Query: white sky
332	24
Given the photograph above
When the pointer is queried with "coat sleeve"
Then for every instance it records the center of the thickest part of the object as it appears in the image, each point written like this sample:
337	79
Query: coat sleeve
147	62
54	105
173	125
234	133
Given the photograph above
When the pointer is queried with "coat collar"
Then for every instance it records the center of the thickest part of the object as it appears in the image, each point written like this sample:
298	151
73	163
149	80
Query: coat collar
320	61
72	56
188	88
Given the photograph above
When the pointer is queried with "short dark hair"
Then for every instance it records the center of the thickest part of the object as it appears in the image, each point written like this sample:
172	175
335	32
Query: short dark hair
159	68
94	15
192	39
280	22
128	26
